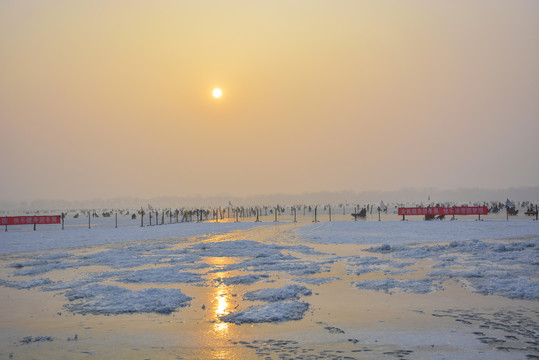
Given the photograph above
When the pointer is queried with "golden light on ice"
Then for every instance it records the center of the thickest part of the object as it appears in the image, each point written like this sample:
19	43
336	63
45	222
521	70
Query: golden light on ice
221	310
217	93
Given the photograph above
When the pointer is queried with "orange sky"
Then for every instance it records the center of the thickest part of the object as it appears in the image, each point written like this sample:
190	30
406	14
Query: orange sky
100	99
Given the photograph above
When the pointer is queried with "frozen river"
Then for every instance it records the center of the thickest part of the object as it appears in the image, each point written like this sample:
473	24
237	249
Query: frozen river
330	290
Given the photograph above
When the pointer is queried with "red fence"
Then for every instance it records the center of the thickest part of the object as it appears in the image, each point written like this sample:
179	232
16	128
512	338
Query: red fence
438	210
30	220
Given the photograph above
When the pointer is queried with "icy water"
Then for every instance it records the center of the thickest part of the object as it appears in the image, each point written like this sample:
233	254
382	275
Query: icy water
280	291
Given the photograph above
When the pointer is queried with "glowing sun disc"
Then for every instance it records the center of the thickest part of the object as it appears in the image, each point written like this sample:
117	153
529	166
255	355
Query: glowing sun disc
217	93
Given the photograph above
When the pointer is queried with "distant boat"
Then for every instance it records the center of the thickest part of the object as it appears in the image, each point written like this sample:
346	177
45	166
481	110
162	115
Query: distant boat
530	212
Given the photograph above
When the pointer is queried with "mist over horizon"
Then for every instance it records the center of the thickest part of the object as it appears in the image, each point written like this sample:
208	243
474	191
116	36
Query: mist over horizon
407	195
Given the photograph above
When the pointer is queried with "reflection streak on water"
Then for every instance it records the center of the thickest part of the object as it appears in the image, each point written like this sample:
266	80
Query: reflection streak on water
221	298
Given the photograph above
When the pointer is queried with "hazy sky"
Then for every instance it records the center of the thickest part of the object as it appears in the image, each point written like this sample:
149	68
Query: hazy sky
100	99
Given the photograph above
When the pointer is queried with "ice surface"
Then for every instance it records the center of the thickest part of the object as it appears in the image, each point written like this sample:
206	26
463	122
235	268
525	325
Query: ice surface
408	232
238	248
21	241
242	279
287	292
32	271
259	257
272	312
492	267
414	286
25	284
315	281
110	299
519	288
409	257
67	285
166	274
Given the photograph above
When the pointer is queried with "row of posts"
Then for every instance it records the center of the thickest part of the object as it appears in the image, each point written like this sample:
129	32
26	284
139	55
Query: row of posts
188	216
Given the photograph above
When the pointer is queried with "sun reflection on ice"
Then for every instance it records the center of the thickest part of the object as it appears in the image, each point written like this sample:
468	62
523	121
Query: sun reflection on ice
221	298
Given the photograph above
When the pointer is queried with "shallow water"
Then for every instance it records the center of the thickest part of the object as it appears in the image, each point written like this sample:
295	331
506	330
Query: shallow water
343	321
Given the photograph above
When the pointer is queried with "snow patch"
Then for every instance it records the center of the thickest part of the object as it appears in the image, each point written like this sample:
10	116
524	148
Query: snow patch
288	292
163	275
242	279
109	299
414	286
316	281
519	288
272	312
23	285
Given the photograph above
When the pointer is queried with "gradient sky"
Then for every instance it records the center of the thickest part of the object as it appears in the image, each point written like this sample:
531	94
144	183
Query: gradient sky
101	99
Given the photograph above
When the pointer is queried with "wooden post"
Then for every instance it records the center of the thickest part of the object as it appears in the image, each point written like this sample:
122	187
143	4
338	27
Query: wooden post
89	219
330	213
6	223
295	214
275	212
257	218
507	213
315	214
150	218
116	220
34	221
536	213
403	218
379	210
63	216
142	218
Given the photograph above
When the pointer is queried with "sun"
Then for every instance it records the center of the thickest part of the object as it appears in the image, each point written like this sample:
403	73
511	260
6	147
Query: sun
217	93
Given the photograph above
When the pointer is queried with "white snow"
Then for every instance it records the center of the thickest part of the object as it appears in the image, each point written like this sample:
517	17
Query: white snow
514	288
315	280
25	284
14	241
272	312
110	299
407	232
287	292
414	286
167	274
242	279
